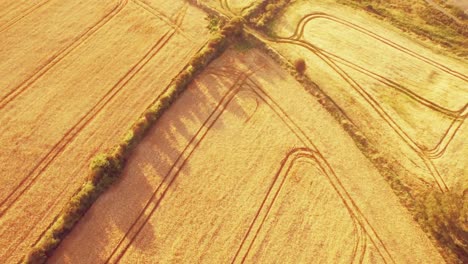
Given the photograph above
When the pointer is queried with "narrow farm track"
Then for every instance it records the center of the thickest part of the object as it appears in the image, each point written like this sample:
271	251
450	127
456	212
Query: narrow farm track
159	37
169	220
70	135
22	15
57	58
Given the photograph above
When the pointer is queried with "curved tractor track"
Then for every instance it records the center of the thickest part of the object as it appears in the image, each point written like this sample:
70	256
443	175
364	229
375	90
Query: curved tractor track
295	155
245	83
299	32
71	134
225	5
332	60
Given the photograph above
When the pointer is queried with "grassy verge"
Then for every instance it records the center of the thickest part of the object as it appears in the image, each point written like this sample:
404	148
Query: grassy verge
441	215
420	18
105	169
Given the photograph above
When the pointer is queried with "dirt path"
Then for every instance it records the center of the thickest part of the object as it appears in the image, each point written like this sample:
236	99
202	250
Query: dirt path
76	96
213	183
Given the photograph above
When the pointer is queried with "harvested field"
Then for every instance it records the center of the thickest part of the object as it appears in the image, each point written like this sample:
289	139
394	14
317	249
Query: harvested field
406	98
71	91
247	166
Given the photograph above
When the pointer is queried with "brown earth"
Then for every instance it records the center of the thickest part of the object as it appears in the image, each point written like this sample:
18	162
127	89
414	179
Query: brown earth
75	75
247	165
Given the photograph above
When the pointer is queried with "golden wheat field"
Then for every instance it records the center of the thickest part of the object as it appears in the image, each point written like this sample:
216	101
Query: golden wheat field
150	131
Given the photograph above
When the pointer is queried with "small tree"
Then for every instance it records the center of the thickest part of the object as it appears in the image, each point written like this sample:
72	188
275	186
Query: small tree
300	66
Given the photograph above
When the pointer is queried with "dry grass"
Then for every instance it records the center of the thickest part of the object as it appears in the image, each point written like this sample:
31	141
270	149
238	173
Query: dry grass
420	18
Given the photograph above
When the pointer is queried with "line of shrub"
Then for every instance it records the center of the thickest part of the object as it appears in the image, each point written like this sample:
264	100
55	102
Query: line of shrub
263	13
420	18
442	215
208	9
445	215
105	169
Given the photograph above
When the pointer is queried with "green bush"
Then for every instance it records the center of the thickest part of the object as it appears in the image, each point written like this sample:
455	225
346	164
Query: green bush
214	23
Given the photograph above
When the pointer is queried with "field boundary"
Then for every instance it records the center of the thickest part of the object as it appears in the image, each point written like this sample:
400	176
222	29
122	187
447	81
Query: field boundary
244	83
429	215
106	168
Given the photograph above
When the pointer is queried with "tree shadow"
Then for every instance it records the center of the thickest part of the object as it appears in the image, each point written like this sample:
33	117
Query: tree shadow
120	219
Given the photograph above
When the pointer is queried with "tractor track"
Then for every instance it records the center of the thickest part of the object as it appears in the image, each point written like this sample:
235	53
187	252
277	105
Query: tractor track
163	18
161	190
27	12
264	210
94	111
331	60
439	149
303	22
376	106
239	84
62	54
91	115
458	116
77	190
454	114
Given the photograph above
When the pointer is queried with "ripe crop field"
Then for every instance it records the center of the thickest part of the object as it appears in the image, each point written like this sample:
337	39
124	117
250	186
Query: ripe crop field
232	131
239	170
404	96
72	90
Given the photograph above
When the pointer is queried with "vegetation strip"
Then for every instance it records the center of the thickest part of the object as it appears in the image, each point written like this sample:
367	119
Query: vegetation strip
262	14
433	25
105	169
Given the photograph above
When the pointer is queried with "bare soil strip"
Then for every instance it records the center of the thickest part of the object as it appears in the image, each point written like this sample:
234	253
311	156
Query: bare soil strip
212	181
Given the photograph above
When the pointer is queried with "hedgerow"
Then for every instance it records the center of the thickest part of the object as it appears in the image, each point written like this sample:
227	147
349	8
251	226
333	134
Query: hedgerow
105	169
265	12
445	215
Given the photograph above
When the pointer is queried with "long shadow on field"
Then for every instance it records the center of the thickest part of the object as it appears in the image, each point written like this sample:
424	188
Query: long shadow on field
120	221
